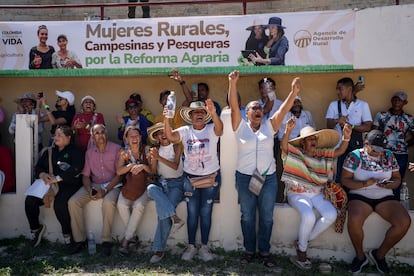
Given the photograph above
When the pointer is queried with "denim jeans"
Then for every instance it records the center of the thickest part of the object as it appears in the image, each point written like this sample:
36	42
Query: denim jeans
200	205
402	160
129	217
265	203
166	198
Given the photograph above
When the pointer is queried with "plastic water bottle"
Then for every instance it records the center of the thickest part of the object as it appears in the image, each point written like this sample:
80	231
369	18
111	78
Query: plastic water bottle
91	243
63	165
171	102
268	87
405	196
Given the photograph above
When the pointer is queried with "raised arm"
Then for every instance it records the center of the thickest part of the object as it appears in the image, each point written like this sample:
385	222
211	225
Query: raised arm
175	75
218	124
233	100
346	137
277	118
172	135
290	125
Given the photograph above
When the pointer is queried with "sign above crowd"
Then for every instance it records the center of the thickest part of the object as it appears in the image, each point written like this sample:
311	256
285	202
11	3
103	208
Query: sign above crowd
314	38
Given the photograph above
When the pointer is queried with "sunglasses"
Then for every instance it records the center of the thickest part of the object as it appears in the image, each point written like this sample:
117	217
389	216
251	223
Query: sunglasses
256	107
132	107
42	27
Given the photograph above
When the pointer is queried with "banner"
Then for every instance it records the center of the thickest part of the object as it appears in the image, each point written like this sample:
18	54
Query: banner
310	38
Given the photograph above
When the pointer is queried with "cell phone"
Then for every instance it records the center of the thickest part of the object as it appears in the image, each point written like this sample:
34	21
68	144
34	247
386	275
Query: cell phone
411	163
94	192
40	95
361	80
385	182
246	53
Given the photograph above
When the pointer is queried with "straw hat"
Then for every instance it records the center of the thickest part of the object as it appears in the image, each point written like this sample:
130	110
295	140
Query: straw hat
185	111
327	138
256	22
153	130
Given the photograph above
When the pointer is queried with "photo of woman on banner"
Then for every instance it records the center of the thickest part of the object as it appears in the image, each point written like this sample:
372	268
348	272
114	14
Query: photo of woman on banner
276	47
64	58
40	56
255	43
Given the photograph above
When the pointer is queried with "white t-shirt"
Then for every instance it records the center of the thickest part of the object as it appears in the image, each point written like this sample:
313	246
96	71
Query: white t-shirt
200	149
357	112
255	149
165	171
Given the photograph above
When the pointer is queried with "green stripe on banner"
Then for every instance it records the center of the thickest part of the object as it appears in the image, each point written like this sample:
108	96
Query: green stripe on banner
289	69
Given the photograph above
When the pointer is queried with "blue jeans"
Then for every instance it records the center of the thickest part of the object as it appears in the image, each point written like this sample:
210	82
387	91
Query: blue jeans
402	160
166	198
200	205
265	203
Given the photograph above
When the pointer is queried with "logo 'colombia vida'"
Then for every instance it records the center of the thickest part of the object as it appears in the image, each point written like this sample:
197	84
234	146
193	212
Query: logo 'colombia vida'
302	38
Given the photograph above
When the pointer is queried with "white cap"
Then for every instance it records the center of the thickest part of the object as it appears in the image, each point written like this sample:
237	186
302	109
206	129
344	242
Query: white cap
66	95
88	98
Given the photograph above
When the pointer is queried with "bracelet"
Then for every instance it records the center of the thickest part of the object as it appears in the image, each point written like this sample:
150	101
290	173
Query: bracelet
353	126
46	107
182	82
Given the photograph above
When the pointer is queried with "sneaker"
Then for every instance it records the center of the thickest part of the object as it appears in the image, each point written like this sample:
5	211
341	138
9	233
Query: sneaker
37	235
157	257
381	265
76	247
189	253
123	251
205	254
357	264
67	240
177	224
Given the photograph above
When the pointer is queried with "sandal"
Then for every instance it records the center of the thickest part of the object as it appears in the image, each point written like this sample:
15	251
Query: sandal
267	260
307	264
246	257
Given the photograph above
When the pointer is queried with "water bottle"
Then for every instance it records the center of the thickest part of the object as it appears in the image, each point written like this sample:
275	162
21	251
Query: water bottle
63	165
171	102
91	243
405	196
268	88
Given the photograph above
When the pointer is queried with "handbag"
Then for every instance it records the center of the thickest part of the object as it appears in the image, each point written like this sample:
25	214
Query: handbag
256	182
204	181
339	199
54	187
136	185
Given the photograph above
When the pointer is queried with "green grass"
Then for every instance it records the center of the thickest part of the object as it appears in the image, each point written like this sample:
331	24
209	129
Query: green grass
17	257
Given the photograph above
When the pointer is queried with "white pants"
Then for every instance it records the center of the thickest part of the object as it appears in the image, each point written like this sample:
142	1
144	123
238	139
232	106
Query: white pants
131	219
309	227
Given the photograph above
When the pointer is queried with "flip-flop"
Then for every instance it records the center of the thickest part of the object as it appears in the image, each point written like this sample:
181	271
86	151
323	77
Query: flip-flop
267	261
246	258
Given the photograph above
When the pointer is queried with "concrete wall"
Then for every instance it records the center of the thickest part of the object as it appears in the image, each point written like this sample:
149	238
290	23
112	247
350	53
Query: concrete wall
225	231
276	6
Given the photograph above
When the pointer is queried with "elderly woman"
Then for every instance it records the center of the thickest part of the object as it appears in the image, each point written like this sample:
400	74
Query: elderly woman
255	160
83	122
201	160
370	174
308	166
67	163
133	164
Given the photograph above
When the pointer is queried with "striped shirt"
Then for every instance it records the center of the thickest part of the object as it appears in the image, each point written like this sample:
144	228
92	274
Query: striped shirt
307	174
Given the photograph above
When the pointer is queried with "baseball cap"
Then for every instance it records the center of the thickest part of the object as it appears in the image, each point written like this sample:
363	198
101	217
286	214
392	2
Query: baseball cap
377	140
66	95
400	94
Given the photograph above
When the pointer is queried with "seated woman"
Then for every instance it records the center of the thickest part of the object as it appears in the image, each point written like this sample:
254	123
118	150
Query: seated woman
308	166
67	162
83	122
364	173
133	164
166	161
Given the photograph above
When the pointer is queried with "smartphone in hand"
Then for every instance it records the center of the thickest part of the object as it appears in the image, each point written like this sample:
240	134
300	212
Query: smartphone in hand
385	182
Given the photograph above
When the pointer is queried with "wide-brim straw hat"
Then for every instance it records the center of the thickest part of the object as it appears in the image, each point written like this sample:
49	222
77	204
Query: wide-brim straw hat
327	138
153	130
185	112
256	22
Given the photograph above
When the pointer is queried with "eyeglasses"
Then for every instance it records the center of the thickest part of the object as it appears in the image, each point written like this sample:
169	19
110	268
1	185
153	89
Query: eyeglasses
256	107
132	107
